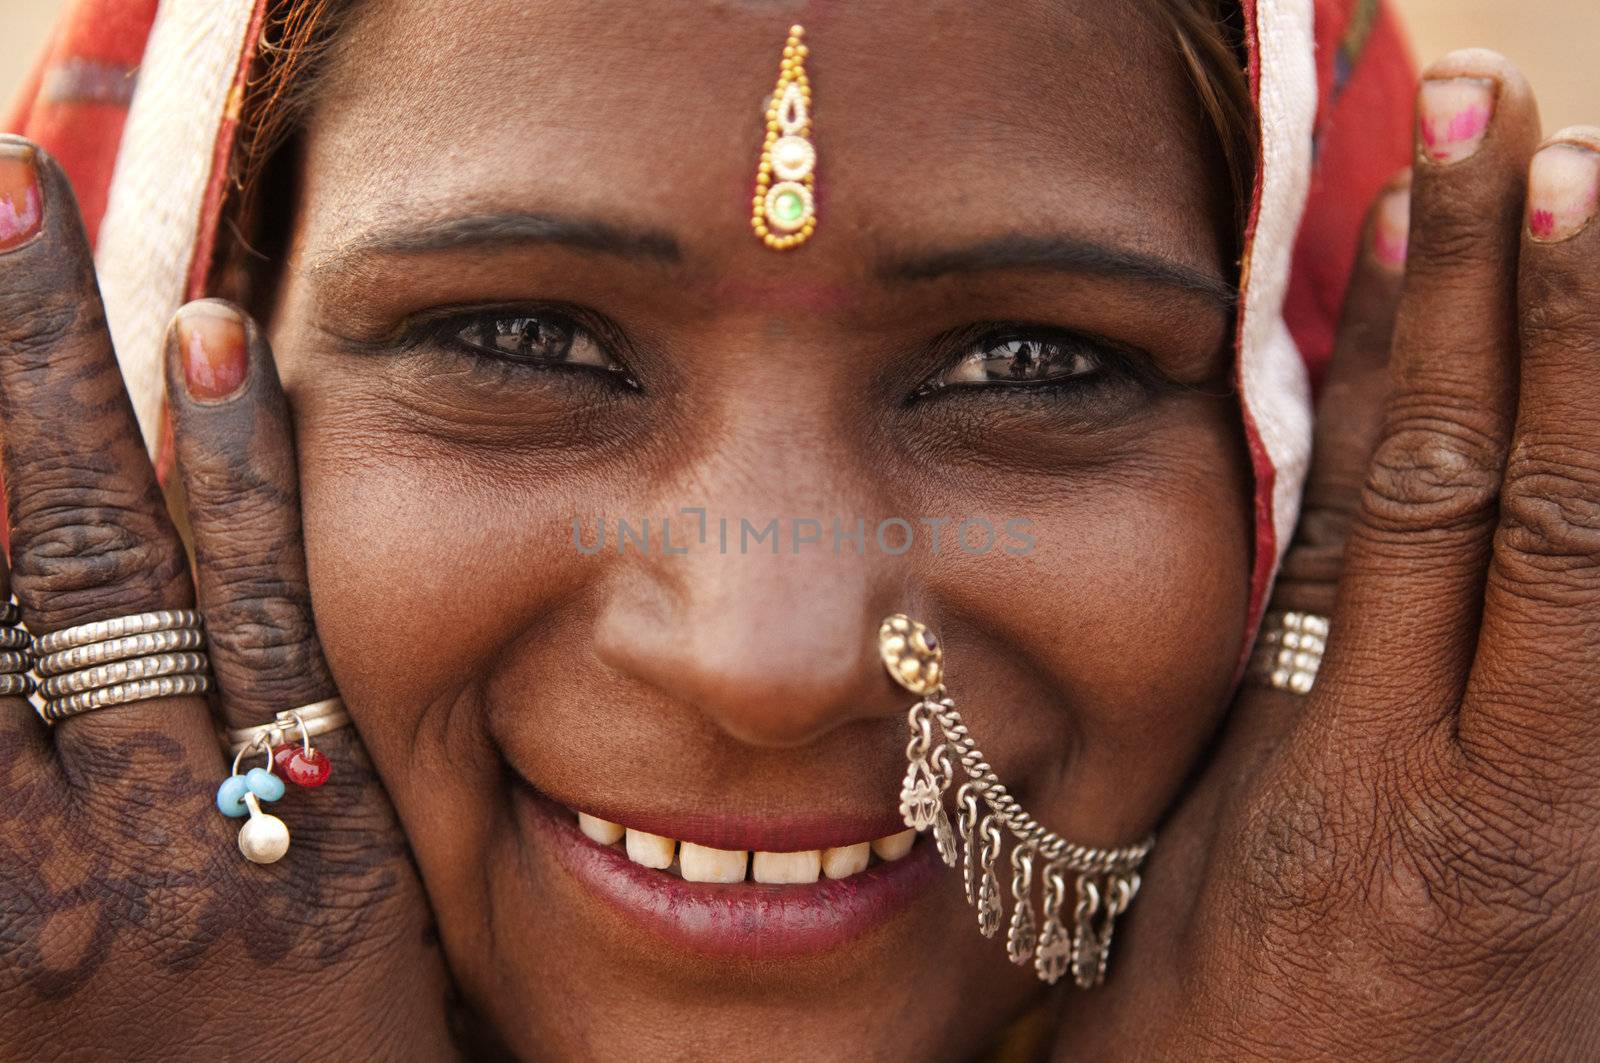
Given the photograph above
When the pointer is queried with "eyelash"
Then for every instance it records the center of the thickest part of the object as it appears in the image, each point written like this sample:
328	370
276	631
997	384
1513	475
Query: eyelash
447	332
1110	363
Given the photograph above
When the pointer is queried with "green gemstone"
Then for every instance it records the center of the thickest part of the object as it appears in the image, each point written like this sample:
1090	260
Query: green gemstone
788	206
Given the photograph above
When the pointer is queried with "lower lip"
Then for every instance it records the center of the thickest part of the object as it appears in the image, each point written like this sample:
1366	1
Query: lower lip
749	920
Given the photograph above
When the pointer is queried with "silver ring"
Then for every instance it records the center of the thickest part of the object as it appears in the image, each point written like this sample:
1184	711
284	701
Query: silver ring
115	628
106	675
14	662
308	721
80	657
1289	650
167	686
16	684
10	613
15	638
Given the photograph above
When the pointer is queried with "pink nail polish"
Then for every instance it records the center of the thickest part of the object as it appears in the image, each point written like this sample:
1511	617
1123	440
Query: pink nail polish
1453	115
1563	191
1391	228
21	202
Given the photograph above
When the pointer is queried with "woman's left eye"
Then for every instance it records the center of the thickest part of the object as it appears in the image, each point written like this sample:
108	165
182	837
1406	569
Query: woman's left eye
536	339
1022	360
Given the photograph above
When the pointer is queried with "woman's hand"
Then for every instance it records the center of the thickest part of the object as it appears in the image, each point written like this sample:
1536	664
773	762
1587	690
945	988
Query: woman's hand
1406	862
128	916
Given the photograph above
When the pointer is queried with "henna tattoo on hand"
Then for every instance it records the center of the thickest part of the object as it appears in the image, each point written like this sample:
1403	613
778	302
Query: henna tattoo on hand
145	873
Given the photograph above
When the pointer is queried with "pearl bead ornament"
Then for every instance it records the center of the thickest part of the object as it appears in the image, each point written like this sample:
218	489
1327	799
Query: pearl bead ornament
265	838
793	158
783	209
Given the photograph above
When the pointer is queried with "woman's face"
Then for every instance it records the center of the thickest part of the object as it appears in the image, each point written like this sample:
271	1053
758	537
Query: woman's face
523	292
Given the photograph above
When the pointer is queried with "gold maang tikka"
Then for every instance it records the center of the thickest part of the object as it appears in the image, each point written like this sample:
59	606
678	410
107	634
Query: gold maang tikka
784	211
1081	890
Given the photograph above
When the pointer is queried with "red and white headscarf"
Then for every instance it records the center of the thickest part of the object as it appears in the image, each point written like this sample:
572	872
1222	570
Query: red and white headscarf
140	101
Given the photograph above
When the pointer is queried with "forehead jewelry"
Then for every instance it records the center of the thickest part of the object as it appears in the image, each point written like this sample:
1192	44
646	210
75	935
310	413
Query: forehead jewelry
784	210
1104	881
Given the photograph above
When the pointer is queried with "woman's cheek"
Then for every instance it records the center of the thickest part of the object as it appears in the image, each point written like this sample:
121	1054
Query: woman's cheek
423	582
1112	643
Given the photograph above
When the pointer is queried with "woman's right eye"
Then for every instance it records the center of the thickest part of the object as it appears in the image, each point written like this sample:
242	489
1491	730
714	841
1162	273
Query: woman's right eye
537	340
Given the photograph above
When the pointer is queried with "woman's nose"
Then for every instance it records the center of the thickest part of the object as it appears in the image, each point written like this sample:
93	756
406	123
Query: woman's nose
776	648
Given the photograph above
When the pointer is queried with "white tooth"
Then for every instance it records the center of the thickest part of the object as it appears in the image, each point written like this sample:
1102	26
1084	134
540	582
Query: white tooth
650	850
787	867
601	830
701	863
846	860
894	846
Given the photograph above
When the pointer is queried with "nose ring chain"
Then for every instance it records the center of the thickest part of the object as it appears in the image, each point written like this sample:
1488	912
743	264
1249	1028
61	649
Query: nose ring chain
1105	881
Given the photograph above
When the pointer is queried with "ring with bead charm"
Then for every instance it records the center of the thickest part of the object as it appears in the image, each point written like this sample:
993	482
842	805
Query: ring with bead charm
264	839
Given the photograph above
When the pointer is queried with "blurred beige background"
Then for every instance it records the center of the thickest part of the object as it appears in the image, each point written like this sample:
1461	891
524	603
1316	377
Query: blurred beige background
1551	40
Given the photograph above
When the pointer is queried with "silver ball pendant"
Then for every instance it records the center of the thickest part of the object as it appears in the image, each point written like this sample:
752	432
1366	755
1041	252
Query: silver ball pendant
264	839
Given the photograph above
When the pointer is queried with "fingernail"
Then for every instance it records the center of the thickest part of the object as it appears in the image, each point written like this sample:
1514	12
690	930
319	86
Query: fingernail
215	357
1563	191
1452	116
1391	228
21	202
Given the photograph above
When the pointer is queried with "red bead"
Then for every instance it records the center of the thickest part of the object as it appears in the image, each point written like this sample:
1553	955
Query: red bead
281	755
308	769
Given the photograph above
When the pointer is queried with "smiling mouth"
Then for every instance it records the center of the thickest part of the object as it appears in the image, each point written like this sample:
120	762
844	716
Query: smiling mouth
701	863
771	900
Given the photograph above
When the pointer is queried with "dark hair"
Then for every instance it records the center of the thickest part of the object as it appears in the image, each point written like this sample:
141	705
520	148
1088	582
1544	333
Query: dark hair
1210	37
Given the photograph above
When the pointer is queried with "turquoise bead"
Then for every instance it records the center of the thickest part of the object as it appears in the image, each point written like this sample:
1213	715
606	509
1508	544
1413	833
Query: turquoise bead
264	784
230	796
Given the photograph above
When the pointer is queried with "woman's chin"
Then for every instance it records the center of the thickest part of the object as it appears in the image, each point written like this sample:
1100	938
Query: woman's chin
771	969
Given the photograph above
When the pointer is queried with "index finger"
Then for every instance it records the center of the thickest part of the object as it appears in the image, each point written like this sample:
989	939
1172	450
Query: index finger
1412	587
1350	409
90	535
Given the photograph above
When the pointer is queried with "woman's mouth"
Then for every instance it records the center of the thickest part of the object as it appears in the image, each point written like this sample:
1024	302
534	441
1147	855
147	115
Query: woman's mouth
764	901
702	863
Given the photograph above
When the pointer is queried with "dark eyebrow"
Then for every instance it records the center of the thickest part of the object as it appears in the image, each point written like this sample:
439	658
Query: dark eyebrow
1021	251
488	231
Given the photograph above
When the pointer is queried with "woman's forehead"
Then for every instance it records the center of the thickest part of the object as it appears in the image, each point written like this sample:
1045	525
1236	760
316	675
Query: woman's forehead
959	119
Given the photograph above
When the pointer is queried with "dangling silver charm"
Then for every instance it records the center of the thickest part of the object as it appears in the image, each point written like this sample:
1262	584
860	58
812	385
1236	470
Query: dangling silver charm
1021	936
919	798
967	824
1055	943
1096	918
943	836
919	794
989	904
1088	951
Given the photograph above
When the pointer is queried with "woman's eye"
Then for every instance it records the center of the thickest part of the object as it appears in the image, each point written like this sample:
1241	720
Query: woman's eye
538	339
1022	360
